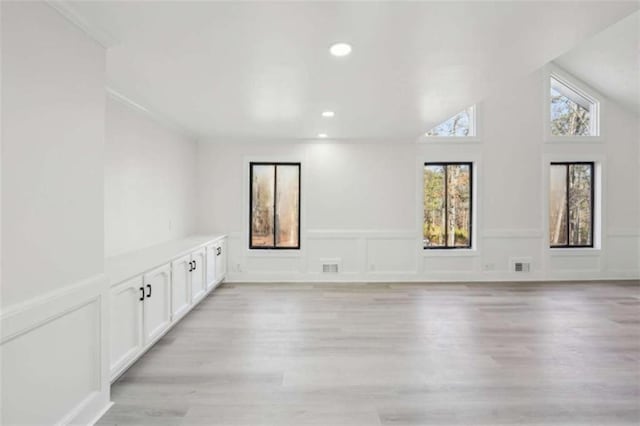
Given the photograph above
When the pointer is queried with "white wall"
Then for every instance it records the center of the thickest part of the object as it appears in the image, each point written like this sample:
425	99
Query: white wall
149	181
53	290
361	201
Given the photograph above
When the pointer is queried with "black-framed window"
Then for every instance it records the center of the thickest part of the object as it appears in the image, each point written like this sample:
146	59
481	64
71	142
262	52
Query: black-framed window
571	202
448	200
274	206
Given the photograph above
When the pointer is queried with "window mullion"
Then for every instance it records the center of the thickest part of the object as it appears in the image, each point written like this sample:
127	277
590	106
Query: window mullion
446	205
568	167
275	197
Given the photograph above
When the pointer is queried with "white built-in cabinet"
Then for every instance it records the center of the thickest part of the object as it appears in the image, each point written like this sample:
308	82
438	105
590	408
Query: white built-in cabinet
157	303
181	286
198	284
216	262
221	259
126	323
154	288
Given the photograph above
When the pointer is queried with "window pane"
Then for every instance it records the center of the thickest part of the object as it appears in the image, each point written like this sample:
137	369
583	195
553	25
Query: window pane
580	181
458	125
262	187
434	206
558	205
458	205
287	201
570	111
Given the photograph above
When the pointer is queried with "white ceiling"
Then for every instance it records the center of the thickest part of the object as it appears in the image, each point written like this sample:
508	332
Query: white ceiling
610	62
262	70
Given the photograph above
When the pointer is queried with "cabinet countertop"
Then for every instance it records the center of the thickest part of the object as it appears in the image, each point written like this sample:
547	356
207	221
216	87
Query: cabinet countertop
127	265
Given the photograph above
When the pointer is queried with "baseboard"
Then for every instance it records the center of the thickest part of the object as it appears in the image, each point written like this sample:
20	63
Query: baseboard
100	413
89	411
469	276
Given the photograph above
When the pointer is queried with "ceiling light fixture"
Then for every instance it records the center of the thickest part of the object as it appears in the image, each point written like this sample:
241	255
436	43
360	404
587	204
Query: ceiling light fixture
328	114
340	49
322	135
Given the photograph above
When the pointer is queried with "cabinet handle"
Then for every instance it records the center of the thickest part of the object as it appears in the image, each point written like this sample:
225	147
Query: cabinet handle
195	265
149	288
218	251
142	294
190	266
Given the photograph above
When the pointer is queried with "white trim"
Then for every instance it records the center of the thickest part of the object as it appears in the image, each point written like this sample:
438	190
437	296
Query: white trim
474	130
476	207
246	193
599	215
551	70
575	252
433	277
26	317
153	115
99	414
99	35
450	252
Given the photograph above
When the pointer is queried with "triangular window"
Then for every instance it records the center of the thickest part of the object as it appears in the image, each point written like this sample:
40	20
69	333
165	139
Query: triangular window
462	124
573	112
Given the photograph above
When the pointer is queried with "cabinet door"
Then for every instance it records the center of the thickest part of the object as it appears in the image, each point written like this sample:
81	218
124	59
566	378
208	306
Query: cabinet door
125	324
211	265
198	279
157	312
180	286
221	260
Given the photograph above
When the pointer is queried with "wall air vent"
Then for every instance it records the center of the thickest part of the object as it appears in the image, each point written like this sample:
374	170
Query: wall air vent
521	264
331	266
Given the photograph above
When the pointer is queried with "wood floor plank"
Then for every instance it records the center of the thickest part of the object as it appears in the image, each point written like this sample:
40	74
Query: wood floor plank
394	354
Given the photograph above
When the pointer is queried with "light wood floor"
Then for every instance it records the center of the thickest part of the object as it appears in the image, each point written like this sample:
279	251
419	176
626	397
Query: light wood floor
394	354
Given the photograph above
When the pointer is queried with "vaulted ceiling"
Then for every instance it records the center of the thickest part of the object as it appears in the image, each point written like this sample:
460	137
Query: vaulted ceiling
262	70
610	62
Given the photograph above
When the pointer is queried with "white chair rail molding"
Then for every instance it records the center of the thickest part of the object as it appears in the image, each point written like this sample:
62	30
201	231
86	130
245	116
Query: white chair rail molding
319	213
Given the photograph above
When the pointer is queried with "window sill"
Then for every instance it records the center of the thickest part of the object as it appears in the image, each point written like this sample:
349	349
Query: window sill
574	139
281	253
434	252
573	252
426	140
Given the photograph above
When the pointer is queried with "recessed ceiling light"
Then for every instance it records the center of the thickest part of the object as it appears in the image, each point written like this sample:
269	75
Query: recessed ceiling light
340	49
328	113
322	135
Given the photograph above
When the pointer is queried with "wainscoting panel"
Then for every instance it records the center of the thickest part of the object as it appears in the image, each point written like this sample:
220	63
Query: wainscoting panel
324	250
578	263
395	255
623	253
452	264
54	363
391	255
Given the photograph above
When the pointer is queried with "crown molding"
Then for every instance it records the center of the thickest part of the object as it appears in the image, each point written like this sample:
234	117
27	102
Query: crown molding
155	116
96	33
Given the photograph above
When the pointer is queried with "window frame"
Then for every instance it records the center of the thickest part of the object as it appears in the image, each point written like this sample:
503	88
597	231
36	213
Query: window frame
275	189
474	130
552	71
592	204
471	183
